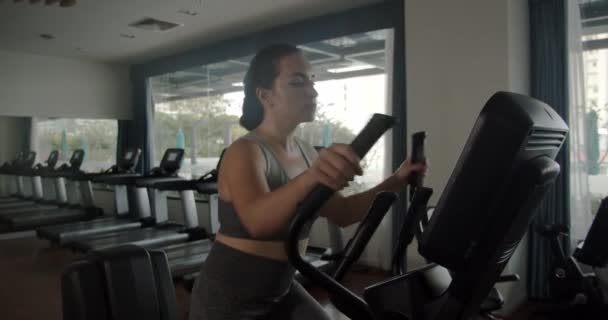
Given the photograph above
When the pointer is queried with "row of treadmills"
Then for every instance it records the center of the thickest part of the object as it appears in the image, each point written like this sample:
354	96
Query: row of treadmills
58	203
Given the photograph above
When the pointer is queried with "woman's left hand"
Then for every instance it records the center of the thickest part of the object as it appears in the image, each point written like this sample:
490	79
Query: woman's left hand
407	168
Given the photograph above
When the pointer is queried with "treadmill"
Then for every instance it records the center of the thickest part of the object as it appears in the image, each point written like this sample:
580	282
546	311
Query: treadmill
23	219
48	191
10	171
187	258
122	220
163	232
37	199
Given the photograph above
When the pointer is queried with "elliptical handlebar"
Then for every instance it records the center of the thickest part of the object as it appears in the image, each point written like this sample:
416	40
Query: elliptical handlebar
307	212
377	211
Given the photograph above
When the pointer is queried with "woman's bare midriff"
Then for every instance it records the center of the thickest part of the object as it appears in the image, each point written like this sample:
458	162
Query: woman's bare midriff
270	249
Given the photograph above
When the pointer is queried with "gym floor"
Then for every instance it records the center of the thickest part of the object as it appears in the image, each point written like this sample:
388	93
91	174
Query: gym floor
30	270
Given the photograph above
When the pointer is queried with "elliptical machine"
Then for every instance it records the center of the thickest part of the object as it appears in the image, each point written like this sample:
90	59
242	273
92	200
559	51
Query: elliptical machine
500	179
569	284
521	135
417	218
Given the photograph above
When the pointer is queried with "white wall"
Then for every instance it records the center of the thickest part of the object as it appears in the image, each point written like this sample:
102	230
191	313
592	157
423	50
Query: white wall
43	86
458	54
519	81
457	57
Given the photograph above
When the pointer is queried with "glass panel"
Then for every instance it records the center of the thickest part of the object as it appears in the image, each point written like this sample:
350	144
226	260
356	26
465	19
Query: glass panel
95	136
588	117
199	108
596	84
351	81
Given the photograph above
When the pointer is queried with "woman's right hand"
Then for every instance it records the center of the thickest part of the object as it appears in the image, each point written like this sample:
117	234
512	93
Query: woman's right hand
336	166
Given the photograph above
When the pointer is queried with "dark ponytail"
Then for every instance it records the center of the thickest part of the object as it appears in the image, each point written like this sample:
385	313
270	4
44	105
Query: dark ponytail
263	69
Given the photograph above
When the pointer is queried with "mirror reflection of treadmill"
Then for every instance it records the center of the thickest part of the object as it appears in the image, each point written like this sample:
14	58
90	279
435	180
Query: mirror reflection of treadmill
67	207
121	220
17	171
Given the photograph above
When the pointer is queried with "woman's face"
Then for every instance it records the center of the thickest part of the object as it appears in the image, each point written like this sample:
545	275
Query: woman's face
293	96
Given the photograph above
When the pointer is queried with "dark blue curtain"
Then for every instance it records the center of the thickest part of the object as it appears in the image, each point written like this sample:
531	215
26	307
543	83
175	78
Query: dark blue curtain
27	126
549	83
399	109
136	133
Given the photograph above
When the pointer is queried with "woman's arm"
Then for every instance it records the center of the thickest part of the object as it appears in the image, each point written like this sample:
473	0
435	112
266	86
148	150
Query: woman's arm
263	212
345	211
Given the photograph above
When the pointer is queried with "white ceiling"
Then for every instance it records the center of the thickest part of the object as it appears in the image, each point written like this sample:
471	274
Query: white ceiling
92	28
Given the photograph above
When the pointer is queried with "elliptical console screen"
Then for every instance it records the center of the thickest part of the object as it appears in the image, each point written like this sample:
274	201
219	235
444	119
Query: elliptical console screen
172	157
77	155
128	155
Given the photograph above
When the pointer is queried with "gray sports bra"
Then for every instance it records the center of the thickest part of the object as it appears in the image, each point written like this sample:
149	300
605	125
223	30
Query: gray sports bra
276	176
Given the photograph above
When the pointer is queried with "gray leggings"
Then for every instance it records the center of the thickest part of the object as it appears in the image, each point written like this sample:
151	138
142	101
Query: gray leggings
235	285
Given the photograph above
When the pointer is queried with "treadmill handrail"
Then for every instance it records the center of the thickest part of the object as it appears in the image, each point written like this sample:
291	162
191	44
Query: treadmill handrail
206	187
149	182
130	179
206	184
173	185
112	178
62	173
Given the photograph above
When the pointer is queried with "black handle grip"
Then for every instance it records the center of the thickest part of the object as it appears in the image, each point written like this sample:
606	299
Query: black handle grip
508	278
414	214
417	156
383	201
373	130
363	142
307	211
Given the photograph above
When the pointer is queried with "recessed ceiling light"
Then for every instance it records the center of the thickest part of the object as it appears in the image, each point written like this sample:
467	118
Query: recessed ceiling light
128	36
152	24
46	36
188	12
237	84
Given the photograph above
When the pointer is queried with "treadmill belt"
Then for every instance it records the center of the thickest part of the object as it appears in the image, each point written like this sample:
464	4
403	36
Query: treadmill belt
147	238
66	233
9	200
18	204
14	212
185	258
187	248
45	218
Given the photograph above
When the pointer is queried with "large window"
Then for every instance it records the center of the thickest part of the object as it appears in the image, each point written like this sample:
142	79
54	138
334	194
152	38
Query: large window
96	137
596	113
588	111
198	109
357	56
